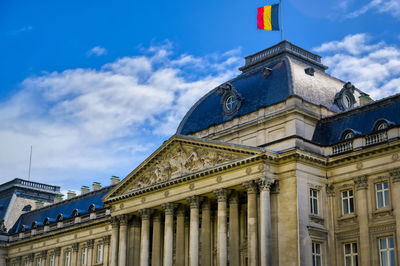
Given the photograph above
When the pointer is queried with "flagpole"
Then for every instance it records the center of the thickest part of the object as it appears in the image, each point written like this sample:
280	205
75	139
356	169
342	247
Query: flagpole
281	20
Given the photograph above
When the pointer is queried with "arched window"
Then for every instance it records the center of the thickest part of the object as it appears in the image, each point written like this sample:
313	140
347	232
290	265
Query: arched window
59	217
75	213
347	134
381	124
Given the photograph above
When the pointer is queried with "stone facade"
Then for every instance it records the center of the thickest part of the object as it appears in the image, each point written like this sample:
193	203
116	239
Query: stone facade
257	189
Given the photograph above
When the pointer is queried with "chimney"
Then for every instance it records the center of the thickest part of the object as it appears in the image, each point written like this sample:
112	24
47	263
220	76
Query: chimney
96	185
114	180
364	99
84	190
71	194
58	198
39	204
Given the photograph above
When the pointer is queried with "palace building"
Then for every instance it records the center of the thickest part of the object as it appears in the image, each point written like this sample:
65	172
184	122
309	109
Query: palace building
282	165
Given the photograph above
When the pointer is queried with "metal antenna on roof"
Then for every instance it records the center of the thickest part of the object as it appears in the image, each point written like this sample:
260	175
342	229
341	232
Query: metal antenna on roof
30	164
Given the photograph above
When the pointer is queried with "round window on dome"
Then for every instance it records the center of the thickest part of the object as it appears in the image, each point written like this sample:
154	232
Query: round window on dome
230	103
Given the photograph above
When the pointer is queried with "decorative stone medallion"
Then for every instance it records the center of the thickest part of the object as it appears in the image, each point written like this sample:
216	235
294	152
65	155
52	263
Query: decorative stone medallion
166	193
359	165
345	99
219	179
395	157
191	186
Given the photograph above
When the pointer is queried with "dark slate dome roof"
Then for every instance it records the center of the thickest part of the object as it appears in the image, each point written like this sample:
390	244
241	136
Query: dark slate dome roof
268	77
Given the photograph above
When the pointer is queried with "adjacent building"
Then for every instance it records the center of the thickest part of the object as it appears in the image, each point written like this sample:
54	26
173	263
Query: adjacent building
282	165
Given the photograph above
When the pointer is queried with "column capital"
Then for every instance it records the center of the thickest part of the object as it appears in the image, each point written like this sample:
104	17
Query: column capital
135	221
90	243
181	211
57	251
250	186
194	201
222	194
157	216
234	198
31	257
123	219
395	175
265	183
145	214
75	247
169	208
106	240
361	182
114	222
330	190
19	260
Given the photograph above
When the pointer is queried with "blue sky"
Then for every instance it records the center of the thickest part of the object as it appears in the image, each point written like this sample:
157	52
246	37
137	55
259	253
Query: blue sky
97	86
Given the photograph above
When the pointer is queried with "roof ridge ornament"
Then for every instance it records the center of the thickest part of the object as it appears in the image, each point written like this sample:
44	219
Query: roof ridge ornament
231	100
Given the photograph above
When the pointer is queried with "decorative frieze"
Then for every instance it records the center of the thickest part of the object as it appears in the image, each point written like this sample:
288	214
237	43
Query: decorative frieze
361	182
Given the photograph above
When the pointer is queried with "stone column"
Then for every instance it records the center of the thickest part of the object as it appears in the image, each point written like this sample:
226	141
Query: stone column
145	237
180	236
234	237
74	254
265	222
156	250
43	255
31	259
194	230
169	233
90	245
206	233
222	249
114	241
330	191
395	201
252	234
106	247
136	241
361	184
57	255
123	239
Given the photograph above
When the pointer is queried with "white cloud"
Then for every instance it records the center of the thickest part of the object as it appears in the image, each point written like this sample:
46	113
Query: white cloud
87	124
391	7
97	50
372	67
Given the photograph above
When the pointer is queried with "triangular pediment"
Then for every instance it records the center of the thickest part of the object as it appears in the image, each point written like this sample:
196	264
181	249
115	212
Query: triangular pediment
180	156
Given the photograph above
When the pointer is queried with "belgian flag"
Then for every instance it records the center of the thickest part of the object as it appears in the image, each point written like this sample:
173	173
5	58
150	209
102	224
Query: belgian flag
268	17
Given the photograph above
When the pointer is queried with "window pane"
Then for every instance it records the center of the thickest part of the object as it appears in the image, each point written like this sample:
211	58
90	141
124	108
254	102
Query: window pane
317	248
391	245
384	261
311	206
347	249
392	258
345	207
386	197
351	205
351	192
355	247
348	261
344	194
379	186
386	185
315	206
355	260
380	200
318	261
383	243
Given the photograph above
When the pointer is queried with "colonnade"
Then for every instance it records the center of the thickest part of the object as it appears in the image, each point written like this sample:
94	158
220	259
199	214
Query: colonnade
193	236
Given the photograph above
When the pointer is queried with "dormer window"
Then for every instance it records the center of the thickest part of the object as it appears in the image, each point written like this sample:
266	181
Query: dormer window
381	124
347	134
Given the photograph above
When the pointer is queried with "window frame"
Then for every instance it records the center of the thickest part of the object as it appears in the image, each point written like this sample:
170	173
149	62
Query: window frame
388	250
84	256
52	260
314	200
385	201
315	255
67	259
99	253
352	254
350	201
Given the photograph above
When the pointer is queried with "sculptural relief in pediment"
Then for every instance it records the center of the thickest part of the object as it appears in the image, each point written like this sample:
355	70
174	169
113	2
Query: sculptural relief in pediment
181	160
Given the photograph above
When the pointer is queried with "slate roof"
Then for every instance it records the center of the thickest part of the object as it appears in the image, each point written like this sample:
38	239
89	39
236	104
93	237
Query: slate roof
288	77
4	206
65	208
361	120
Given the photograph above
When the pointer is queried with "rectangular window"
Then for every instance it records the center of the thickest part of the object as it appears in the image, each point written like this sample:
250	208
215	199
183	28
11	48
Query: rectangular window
26	263
316	254
350	254
99	253
52	260
84	256
67	258
39	262
382	194
314	201
347	202
386	251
